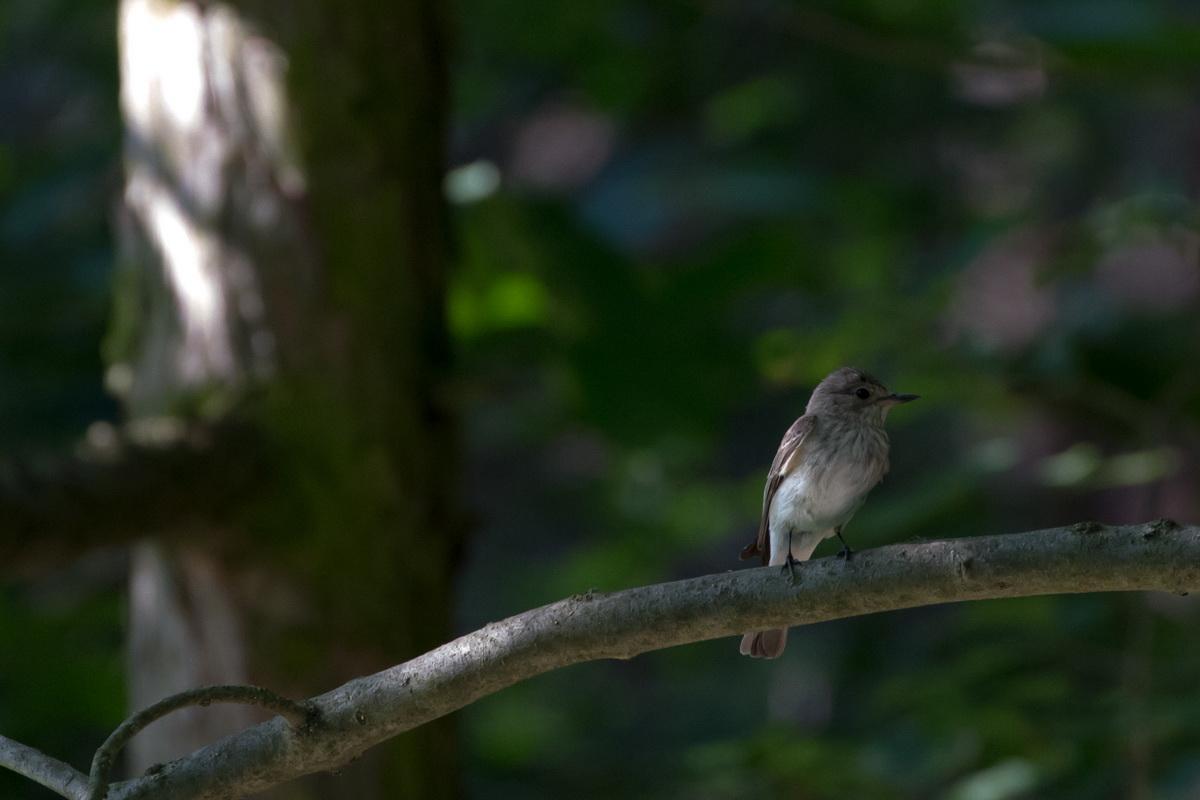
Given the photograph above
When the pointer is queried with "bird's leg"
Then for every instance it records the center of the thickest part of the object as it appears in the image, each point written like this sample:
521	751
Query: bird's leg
789	564
845	552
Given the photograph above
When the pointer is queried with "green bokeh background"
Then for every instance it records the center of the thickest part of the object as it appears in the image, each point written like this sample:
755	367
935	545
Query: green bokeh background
672	218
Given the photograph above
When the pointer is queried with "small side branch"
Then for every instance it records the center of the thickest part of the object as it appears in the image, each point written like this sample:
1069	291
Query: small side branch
300	715
56	776
1158	556
1081	558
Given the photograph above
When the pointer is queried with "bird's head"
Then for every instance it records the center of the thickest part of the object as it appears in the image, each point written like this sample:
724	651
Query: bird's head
850	392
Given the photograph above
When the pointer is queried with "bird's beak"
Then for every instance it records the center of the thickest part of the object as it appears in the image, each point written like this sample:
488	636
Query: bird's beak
896	399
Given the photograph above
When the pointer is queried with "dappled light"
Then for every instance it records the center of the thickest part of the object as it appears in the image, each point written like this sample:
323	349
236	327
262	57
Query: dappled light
202	96
423	363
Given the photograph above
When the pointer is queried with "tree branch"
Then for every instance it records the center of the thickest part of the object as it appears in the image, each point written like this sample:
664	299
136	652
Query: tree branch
1081	558
56	776
144	478
299	715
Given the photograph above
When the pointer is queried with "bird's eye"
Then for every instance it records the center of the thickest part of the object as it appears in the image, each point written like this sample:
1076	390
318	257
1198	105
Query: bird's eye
862	393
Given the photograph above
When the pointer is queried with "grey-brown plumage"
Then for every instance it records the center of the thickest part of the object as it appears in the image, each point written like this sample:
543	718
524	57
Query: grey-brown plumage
828	461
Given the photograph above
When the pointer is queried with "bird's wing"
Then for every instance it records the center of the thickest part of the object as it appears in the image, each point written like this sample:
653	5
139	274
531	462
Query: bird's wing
786	458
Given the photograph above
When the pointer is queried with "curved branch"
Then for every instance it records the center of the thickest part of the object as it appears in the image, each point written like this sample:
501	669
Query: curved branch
302	716
1085	557
56	776
1082	558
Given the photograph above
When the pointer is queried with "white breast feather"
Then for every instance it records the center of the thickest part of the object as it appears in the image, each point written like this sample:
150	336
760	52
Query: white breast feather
804	504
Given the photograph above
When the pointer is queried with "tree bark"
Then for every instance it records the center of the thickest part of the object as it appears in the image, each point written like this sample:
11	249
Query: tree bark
595	625
285	248
340	724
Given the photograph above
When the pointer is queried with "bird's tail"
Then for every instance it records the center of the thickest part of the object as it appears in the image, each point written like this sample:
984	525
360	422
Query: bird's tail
764	644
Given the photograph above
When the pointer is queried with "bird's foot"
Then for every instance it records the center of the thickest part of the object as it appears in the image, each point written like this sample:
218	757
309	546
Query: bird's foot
789	566
845	552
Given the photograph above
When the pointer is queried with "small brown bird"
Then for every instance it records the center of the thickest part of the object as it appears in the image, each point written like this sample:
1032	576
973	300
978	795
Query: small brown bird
826	464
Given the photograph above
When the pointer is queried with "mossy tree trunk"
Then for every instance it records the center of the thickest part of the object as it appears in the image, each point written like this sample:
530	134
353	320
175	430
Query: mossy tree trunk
285	264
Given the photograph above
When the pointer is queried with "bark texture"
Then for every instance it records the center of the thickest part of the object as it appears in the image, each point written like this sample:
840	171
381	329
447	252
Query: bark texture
1082	558
60	778
285	253
341	724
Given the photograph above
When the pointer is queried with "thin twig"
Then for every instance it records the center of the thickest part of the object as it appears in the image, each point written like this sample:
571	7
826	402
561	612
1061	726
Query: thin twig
301	716
41	768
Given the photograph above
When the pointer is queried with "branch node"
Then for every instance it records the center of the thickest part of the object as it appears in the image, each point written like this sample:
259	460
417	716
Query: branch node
1159	527
965	567
302	716
627	623
312	718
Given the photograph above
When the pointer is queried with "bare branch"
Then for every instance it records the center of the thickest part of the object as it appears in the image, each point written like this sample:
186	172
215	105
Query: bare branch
140	479
56	776
301	716
1081	558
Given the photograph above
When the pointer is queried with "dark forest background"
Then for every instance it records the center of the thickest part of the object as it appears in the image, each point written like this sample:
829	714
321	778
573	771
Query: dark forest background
668	221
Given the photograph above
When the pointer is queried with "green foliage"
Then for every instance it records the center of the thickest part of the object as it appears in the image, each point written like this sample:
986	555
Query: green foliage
702	209
61	666
58	154
61	676
984	204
